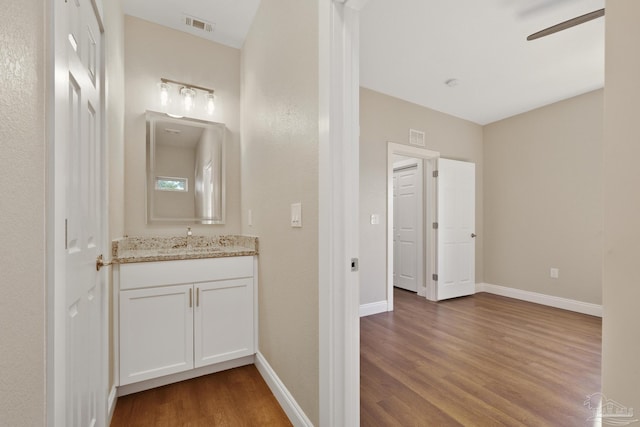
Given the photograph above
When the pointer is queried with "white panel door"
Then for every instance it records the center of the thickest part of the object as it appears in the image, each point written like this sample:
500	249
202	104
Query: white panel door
156	332
85	355
407	221
456	228
223	320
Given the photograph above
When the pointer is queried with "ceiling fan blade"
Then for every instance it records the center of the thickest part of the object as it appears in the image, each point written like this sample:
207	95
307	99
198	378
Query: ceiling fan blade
567	24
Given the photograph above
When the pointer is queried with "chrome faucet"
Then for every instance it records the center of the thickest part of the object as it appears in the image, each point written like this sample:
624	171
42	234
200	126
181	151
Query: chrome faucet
189	234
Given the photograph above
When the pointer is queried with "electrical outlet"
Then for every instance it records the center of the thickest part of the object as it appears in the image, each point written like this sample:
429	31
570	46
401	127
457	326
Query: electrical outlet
554	273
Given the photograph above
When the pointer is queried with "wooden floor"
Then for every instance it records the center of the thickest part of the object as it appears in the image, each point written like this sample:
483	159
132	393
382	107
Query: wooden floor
475	361
234	398
482	360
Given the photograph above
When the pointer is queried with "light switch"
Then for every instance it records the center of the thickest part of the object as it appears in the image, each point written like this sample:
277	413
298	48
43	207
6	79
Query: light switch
296	215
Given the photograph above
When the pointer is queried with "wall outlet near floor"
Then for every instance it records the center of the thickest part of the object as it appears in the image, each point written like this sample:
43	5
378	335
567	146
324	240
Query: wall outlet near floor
554	273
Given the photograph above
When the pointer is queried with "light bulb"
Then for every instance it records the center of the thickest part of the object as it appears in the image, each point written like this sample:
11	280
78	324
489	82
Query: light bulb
211	105
164	94
188	96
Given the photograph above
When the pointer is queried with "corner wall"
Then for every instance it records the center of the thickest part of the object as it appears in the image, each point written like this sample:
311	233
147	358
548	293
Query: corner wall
543	199
152	52
386	119
280	137
621	342
23	163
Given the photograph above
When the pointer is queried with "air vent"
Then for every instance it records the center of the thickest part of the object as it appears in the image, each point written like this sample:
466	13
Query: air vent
416	137
198	24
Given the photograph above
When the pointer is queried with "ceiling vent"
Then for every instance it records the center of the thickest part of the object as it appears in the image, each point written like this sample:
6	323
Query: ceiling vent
198	24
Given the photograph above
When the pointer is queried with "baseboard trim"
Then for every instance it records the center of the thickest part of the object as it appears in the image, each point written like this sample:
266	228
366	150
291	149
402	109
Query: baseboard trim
123	390
111	404
295	413
550	300
373	308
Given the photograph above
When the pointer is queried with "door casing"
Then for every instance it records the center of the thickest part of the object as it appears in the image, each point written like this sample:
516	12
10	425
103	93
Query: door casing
429	213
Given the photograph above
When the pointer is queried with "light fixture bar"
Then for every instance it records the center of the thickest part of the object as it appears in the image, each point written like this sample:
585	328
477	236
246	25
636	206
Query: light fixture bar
190	86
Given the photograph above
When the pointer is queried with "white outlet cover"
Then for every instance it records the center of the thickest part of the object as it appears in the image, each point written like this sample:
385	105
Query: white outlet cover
554	273
375	219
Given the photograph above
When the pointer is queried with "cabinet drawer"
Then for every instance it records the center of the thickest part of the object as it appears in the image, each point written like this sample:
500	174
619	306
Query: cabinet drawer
147	274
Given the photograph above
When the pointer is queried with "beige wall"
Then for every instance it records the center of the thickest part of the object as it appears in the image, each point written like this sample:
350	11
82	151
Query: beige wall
22	213
543	199
386	119
280	167
621	340
151	52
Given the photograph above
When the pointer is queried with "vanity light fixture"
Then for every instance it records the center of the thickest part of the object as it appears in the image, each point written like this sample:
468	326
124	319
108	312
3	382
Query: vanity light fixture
188	96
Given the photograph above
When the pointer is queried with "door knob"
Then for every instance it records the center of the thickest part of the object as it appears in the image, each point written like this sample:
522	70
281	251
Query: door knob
100	262
473	235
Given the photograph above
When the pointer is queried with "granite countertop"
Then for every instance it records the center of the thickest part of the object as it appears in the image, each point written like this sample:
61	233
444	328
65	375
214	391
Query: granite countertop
147	249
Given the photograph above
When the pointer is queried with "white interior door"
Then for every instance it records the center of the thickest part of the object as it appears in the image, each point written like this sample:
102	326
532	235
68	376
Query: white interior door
79	140
408	225
456	229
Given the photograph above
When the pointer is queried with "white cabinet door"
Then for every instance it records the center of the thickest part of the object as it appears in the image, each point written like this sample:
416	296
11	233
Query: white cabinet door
223	320
156	332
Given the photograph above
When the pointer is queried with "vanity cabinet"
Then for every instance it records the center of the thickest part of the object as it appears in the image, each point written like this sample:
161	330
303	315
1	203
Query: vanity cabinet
179	315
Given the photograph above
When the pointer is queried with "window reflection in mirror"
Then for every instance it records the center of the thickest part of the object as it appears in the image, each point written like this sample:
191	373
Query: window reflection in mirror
185	170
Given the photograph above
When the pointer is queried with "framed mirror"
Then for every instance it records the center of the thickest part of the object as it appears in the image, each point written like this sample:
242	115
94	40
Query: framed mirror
185	170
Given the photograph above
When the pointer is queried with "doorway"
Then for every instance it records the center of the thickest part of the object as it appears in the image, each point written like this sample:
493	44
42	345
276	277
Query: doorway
408	223
425	285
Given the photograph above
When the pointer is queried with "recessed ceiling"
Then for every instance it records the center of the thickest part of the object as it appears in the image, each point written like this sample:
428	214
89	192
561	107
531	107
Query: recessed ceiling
411	48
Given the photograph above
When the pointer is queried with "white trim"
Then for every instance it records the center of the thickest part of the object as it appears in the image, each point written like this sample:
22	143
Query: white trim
429	200
111	404
338	286
549	300
186	375
295	413
373	308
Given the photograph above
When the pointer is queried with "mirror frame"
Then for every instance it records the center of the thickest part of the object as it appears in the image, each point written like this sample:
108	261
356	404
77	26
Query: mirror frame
151	117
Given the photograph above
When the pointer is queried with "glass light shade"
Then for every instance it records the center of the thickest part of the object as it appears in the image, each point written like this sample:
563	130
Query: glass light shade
164	94
211	105
188	98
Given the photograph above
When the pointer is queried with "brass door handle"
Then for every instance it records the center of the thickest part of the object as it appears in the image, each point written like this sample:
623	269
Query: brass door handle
100	262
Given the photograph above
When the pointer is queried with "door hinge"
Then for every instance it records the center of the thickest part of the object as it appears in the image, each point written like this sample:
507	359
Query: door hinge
435	174
434	277
435	225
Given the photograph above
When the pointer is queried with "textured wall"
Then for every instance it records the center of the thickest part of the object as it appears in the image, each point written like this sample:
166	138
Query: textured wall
386	119
543	199
22	213
151	52
621	292
279	167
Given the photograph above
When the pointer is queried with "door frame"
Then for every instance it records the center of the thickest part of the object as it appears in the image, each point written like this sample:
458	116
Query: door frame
338	222
430	159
